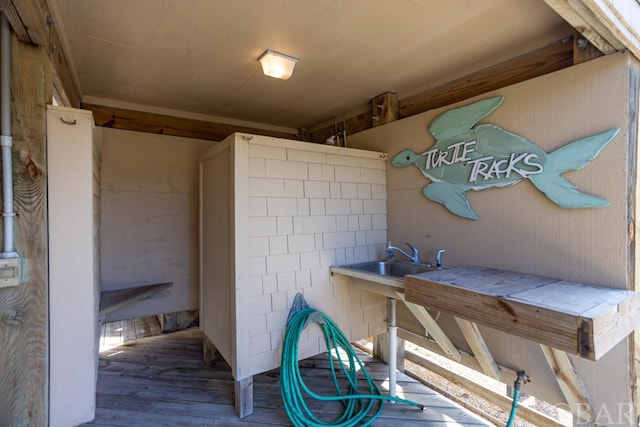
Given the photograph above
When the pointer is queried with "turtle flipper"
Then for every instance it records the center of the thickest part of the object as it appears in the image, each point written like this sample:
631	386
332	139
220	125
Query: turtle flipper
459	120
452	197
565	194
573	156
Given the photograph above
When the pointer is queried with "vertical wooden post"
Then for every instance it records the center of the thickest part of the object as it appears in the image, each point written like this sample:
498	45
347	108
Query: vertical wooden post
209	352
244	397
384	109
583	50
304	134
24	309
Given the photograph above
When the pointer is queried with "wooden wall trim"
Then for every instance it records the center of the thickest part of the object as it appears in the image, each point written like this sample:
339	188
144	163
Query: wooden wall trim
120	118
64	84
553	57
24	309
602	23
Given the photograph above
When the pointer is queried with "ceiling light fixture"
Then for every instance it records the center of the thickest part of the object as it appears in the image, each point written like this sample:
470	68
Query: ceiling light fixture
276	64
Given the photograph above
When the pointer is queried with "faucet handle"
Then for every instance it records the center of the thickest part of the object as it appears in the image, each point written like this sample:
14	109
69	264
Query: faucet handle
413	248
415	253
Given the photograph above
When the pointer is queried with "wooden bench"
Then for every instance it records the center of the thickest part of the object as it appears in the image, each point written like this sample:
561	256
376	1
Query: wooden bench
113	300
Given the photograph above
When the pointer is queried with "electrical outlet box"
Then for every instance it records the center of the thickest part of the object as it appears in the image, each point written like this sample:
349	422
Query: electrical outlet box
9	272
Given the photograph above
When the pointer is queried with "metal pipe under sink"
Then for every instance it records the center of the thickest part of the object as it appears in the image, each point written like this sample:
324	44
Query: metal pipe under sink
393	342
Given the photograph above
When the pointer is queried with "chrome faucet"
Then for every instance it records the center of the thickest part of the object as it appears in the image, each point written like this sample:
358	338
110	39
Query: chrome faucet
415	253
439	258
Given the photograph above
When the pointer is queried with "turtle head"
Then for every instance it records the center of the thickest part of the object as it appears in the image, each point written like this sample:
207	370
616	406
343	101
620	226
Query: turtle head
405	158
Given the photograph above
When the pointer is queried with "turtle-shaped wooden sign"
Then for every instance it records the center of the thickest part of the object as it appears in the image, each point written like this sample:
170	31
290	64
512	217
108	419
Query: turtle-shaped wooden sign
469	157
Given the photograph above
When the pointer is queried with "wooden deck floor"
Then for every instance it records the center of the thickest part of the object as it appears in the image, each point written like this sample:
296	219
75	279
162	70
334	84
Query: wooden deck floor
161	381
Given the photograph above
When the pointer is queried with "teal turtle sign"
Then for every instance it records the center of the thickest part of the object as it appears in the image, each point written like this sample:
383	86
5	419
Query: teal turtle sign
469	157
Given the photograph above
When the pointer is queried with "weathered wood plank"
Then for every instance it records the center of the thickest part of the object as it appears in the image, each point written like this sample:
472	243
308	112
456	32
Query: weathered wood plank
209	353
583	50
555	56
498	399
114	300
120	118
479	347
23	309
573	317
457	400
570	383
132	392
428	343
582	19
244	397
178	320
384	109
28	20
425	319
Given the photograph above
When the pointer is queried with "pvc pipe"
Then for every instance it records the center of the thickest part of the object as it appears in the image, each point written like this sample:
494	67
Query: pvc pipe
393	343
6	141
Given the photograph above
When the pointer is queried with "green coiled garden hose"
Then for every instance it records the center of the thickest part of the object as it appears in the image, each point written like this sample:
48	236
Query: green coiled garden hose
358	408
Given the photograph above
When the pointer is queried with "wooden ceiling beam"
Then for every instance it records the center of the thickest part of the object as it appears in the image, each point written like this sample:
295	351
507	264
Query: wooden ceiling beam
606	27
553	57
31	23
28	18
120	118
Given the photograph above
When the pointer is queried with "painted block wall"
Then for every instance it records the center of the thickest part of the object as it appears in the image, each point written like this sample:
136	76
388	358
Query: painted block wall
149	227
298	208
519	229
74	285
311	207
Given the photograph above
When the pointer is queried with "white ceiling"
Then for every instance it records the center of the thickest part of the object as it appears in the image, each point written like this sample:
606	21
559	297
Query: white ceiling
199	56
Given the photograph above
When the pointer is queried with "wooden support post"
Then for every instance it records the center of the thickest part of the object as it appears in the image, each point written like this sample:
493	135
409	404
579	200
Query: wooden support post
244	397
304	134
209	351
384	109
583	50
432	327
24	324
479	347
178	320
570	383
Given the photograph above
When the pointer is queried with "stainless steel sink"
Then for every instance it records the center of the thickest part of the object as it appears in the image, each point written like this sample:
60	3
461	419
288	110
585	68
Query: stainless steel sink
390	268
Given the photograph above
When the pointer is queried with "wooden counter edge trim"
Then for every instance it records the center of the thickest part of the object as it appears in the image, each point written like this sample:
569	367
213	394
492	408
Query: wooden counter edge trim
613	325
560	329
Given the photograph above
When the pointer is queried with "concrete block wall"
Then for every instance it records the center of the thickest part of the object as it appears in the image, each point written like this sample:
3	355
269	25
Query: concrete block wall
311	207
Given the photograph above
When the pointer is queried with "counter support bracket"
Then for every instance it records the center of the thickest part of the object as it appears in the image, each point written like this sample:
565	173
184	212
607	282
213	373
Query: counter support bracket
570	383
432	327
479	347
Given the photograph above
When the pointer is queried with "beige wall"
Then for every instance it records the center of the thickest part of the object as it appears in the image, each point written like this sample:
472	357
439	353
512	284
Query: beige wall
519	228
74	273
149	229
